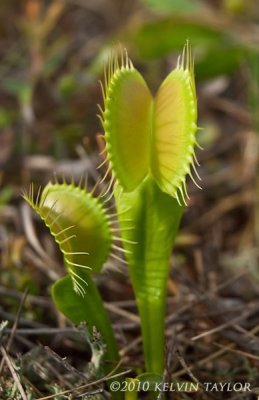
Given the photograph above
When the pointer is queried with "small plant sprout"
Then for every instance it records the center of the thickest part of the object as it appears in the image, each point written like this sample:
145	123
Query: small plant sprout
150	149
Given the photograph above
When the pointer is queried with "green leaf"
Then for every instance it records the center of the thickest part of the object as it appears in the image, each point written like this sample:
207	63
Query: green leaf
87	309
6	195
6	117
156	39
231	56
159	38
253	64
23	90
175	6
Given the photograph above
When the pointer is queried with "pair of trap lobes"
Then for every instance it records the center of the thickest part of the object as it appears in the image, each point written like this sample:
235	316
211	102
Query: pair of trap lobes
148	136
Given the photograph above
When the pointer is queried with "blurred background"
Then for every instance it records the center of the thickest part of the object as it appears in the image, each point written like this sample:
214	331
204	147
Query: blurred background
53	53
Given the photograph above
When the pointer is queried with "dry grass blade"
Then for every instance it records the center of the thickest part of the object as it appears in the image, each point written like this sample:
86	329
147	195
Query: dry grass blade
166	373
212	356
130	346
15	325
42	331
17	295
123	313
193	377
104	379
240	352
252	308
204	296
14	375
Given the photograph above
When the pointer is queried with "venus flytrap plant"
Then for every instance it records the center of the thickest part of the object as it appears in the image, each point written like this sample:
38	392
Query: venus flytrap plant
83	231
150	149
